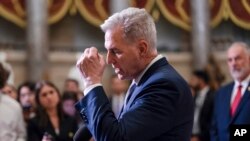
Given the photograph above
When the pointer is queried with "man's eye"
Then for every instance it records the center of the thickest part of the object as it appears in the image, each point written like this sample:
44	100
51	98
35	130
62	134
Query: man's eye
116	52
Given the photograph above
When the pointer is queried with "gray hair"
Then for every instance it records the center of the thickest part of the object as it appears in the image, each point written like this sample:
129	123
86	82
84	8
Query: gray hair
136	24
241	44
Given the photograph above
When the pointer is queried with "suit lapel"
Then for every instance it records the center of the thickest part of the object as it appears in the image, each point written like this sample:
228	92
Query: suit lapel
133	95
152	69
227	103
206	100
243	101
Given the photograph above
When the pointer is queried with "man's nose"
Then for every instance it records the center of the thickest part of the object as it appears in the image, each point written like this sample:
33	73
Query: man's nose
234	62
109	58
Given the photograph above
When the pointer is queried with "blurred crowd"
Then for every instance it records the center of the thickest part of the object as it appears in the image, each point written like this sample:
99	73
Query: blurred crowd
39	109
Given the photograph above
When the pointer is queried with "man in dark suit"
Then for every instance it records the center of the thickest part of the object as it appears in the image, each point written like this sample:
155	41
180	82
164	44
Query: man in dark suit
204	101
232	102
158	106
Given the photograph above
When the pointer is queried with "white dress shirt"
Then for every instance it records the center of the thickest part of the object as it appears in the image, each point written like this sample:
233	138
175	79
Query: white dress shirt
12	126
199	102
244	85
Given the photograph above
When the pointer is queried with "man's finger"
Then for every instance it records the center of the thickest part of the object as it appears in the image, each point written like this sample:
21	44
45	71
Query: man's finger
79	60
93	52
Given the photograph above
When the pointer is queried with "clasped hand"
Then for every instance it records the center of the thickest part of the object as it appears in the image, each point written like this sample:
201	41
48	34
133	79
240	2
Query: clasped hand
91	64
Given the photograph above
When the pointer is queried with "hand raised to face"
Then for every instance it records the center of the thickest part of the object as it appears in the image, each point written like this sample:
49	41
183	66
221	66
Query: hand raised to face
91	64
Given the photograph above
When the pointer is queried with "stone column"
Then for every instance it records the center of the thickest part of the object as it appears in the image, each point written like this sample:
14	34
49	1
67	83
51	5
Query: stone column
200	14
37	40
118	5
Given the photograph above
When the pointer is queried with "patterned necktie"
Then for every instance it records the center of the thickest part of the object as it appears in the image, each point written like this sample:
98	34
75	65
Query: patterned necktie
236	101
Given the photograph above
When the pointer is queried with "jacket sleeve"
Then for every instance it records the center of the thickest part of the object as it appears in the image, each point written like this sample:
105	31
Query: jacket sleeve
213	129
151	114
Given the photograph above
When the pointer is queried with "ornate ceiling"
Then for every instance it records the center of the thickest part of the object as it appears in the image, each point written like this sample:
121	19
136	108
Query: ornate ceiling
95	12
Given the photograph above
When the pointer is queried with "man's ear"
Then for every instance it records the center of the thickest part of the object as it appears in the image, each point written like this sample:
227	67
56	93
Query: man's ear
143	48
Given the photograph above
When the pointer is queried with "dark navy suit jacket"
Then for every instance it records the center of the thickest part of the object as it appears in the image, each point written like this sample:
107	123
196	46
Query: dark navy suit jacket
222	119
160	109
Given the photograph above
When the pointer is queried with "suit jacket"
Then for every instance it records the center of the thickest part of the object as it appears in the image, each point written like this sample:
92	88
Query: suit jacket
160	109
205	117
222	119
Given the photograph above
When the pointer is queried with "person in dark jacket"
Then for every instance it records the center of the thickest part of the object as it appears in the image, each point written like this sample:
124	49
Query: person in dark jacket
50	119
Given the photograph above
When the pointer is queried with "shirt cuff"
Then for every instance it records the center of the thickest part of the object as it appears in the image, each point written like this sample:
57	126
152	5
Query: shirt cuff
89	88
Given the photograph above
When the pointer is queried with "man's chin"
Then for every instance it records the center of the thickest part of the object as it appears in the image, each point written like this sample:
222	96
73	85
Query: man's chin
237	76
120	76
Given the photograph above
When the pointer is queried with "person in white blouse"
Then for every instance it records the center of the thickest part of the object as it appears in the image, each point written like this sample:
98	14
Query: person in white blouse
12	125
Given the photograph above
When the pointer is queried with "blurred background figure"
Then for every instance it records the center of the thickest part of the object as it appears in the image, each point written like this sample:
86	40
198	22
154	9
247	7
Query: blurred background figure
80	95
204	99
75	74
232	101
71	85
26	97
50	117
118	93
10	90
215	73
68	101
12	125
7	66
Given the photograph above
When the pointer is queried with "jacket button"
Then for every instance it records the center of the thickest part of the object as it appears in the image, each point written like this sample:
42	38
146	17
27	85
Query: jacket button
85	120
82	111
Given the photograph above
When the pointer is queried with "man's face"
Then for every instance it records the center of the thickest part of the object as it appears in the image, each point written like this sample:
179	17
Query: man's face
194	82
27	97
238	63
123	57
71	86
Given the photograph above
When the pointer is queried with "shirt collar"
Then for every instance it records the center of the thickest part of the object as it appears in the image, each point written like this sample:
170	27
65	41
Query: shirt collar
204	90
244	82
137	79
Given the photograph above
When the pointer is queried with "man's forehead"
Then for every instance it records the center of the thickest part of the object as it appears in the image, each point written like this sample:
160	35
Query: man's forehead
235	50
111	39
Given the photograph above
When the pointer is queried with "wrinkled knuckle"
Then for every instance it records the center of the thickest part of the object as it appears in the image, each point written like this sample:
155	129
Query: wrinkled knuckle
91	57
93	48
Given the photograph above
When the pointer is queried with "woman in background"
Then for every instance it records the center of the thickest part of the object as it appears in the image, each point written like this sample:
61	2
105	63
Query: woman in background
50	118
26	97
